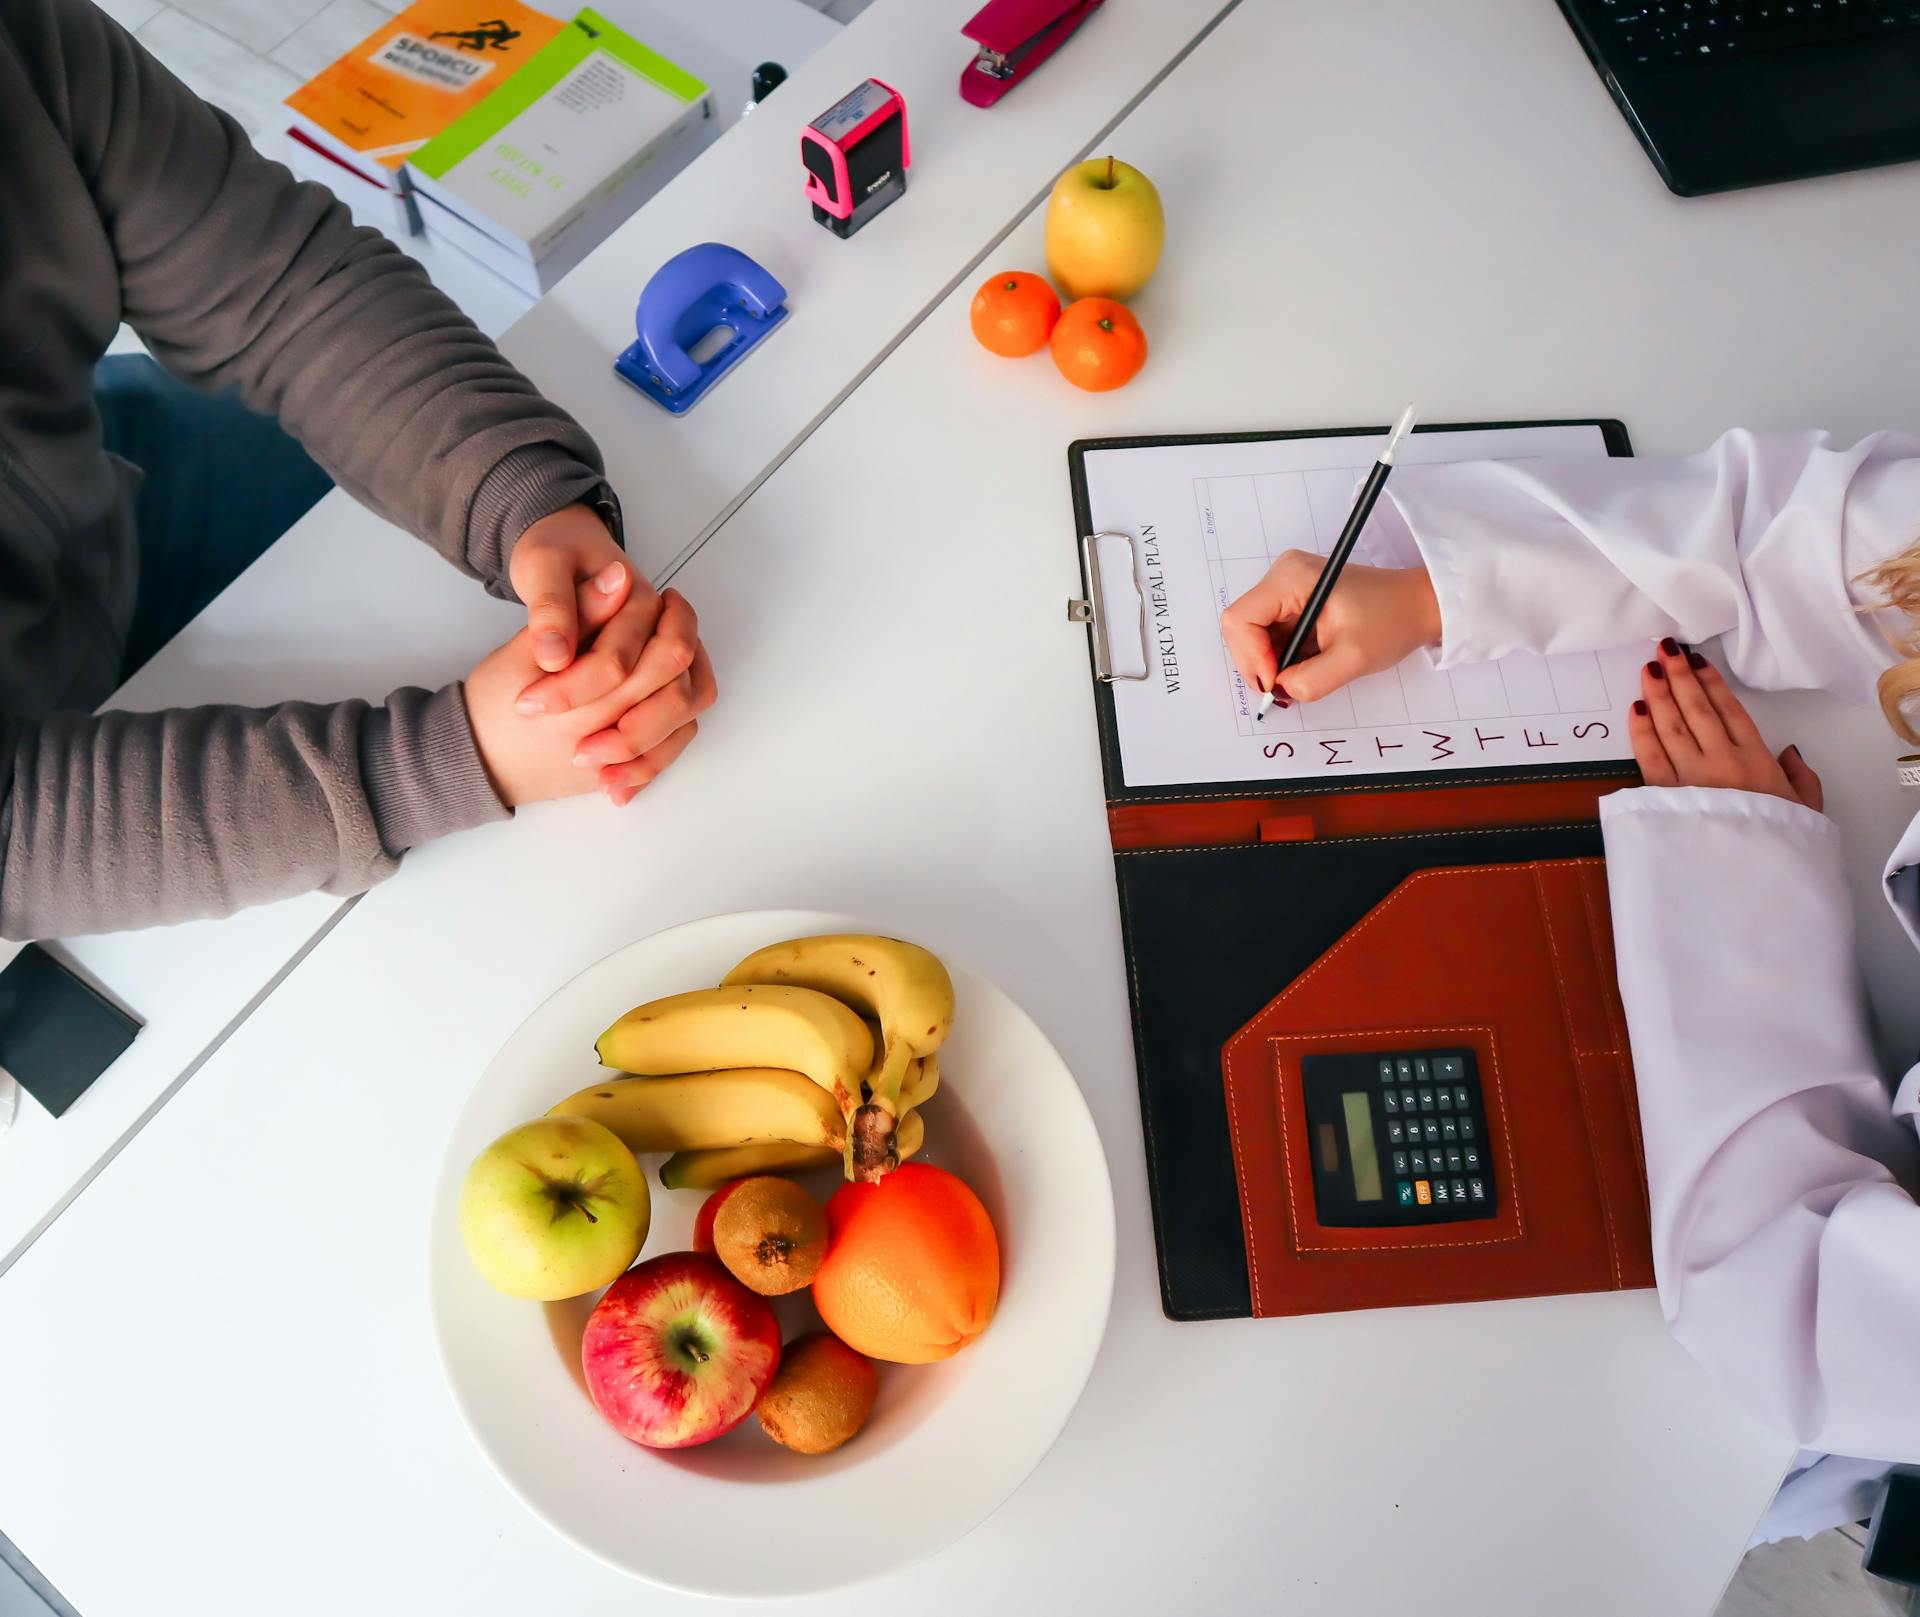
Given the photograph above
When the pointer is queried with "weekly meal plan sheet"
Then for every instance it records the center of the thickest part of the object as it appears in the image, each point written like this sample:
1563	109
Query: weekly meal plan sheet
1184	529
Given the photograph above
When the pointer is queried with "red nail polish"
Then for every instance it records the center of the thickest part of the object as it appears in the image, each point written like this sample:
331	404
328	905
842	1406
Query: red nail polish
1656	670
1670	646
1640	709
1695	660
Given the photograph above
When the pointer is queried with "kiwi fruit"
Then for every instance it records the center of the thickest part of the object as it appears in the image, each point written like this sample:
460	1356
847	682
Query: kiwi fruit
771	1235
820	1396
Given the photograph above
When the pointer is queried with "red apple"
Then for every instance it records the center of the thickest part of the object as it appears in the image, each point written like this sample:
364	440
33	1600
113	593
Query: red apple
678	1352
703	1220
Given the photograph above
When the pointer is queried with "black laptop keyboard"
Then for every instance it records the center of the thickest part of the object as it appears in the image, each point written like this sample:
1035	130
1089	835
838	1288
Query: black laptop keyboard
1663	34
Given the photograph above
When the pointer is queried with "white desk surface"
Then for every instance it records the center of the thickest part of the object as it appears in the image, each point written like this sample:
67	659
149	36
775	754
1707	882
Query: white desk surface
345	605
972	174
224	1392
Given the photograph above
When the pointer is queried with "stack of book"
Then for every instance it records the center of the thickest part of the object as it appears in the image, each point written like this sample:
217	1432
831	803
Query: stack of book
353	126
533	178
535	160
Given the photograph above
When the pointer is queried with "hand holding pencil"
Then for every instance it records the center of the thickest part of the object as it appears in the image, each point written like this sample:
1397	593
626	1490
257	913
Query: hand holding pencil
1313	623
1374	617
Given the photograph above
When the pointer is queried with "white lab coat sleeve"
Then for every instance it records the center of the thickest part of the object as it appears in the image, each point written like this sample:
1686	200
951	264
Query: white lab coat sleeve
1786	1236
1739	541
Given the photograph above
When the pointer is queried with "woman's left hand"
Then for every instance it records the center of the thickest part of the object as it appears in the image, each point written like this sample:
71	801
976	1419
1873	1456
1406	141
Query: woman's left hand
1689	729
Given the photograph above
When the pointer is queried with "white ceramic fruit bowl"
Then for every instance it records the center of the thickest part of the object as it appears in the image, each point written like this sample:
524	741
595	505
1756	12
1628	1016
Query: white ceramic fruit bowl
743	1517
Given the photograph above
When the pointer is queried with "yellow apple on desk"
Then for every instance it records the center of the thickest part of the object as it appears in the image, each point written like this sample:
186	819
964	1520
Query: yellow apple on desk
1105	229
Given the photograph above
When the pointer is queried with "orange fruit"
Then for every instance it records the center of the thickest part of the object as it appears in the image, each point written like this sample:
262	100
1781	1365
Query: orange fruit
820	1396
913	1270
1013	312
1098	344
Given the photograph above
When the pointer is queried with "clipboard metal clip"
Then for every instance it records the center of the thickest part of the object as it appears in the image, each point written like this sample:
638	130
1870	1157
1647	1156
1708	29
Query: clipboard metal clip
1092	610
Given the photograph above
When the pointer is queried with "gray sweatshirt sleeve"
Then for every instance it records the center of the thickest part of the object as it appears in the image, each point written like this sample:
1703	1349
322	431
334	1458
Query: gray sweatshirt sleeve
236	274
131	819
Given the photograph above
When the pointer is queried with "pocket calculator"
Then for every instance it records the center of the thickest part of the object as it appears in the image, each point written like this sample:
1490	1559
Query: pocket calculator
1398	1137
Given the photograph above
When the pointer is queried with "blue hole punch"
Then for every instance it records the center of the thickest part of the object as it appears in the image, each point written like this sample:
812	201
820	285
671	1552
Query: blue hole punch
691	296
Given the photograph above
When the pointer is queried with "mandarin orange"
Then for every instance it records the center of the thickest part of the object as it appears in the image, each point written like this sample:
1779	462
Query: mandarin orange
1013	313
1098	344
913	1268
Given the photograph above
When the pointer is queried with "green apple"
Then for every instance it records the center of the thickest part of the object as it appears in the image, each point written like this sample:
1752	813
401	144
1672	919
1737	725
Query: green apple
554	1208
1105	229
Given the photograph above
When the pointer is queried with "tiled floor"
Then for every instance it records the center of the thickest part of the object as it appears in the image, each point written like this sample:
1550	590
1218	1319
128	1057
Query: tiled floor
245	56
328	32
23	1592
1813	1577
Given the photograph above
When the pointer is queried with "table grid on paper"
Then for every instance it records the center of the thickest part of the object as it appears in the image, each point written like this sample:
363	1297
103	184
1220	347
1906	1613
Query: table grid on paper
1247	521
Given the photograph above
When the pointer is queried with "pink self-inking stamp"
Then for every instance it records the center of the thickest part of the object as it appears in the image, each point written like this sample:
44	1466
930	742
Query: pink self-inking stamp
856	155
1015	37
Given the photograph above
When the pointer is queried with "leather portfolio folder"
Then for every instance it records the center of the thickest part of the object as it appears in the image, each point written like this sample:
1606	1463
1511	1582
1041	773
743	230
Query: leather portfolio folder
1272	925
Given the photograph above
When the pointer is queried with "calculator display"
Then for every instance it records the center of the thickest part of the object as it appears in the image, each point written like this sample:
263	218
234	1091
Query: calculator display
1360	1148
1399	1137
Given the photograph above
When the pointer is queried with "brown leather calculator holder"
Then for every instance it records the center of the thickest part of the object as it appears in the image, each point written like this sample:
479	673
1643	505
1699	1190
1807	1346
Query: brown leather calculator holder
1261	931
1515	962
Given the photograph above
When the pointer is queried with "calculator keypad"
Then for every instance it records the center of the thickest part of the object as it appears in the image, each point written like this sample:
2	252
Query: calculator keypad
1429	1137
1455	1176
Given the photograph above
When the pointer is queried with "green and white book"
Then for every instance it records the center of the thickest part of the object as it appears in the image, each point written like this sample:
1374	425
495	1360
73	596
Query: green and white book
535	176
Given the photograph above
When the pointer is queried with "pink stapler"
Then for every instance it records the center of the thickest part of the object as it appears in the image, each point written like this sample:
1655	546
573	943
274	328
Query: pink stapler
1015	37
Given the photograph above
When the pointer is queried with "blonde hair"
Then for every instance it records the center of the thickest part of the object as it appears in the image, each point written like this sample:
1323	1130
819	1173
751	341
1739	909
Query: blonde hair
1897	580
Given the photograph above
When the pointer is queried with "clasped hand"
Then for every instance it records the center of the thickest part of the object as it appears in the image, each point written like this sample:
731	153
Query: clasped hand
604	687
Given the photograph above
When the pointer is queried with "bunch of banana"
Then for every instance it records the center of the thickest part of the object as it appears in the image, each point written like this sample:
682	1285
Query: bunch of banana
725	1109
812	1050
901	986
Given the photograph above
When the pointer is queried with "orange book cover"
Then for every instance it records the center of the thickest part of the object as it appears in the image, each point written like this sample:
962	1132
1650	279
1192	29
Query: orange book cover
410	78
